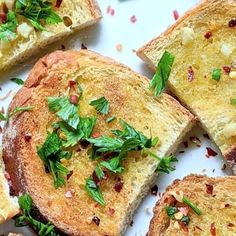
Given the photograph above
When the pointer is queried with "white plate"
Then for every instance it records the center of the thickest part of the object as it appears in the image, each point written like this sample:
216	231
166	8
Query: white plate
153	17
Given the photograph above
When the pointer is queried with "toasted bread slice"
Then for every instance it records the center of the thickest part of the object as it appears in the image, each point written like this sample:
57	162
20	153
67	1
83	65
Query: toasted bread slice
8	205
202	40
76	15
130	99
215	197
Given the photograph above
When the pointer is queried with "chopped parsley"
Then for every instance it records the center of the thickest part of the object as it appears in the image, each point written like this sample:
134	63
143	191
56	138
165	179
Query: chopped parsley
171	211
192	205
185	220
159	80
37	12
7	30
233	101
17	81
216	74
14	112
26	205
110	119
101	105
51	154
94	191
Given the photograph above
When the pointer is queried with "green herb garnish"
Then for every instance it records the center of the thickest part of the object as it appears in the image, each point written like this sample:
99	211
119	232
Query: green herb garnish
101	105
26	205
171	211
7	30
185	220
233	101
94	191
216	74
110	119
37	12
158	82
51	154
12	113
17	81
192	205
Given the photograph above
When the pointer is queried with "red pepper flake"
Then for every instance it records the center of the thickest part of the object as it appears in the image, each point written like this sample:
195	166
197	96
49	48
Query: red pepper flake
28	137
185	144
230	225
154	190
4	8
74	99
180	152
3	17
96	220
213	229
210	152
170	200
197	227
110	11
190	74
227	205
131	223
96	135
209	189
208	35
83	46
183	227
0	129
63	47
95	178
111	211
58	3
226	69
69	175
176	14
72	83
206	136
133	19
223	167
118	185
232	22
184	210
195	140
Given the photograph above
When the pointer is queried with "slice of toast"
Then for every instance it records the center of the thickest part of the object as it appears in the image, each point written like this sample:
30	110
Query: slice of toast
203	41
129	99
215	197
8	205
75	15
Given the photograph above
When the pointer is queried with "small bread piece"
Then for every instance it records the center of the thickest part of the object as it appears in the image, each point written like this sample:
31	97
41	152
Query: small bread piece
8	205
129	99
215	197
202	40
76	15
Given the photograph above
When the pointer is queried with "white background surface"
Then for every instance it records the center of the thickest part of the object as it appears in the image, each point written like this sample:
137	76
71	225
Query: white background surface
153	17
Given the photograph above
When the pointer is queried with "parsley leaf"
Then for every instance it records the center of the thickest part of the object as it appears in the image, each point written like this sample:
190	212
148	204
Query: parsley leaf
51	154
110	119
94	191
101	105
15	111
233	101
165	164
113	165
158	82
64	110
26	205
7	30
17	81
171	211
216	74
37	11
2	117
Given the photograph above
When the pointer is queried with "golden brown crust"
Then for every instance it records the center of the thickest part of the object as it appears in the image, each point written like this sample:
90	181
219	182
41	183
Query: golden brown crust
190	184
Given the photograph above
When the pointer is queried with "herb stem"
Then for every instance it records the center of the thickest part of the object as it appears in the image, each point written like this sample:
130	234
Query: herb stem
192	205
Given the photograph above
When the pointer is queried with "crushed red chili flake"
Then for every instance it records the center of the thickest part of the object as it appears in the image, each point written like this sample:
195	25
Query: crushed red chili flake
110	11
131	223
206	136
226	69
83	46
209	188
28	137
111	211
133	19
4	8
183	227
184	210
95	178
197	227
232	22
3	17
213	229
227	205
72	83
63	47
185	144
154	190
195	140
96	220
96	135
223	167
0	129
208	35
230	225
190	74
176	14
84	143
211	152
170	200
181	152
74	99
118	185
58	3
69	175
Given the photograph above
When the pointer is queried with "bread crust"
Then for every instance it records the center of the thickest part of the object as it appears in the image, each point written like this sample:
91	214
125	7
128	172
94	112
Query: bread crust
160	223
56	64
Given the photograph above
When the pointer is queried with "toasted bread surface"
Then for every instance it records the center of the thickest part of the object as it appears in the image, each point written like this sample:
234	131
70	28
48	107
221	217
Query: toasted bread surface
218	208
79	13
8	205
201	41
130	99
